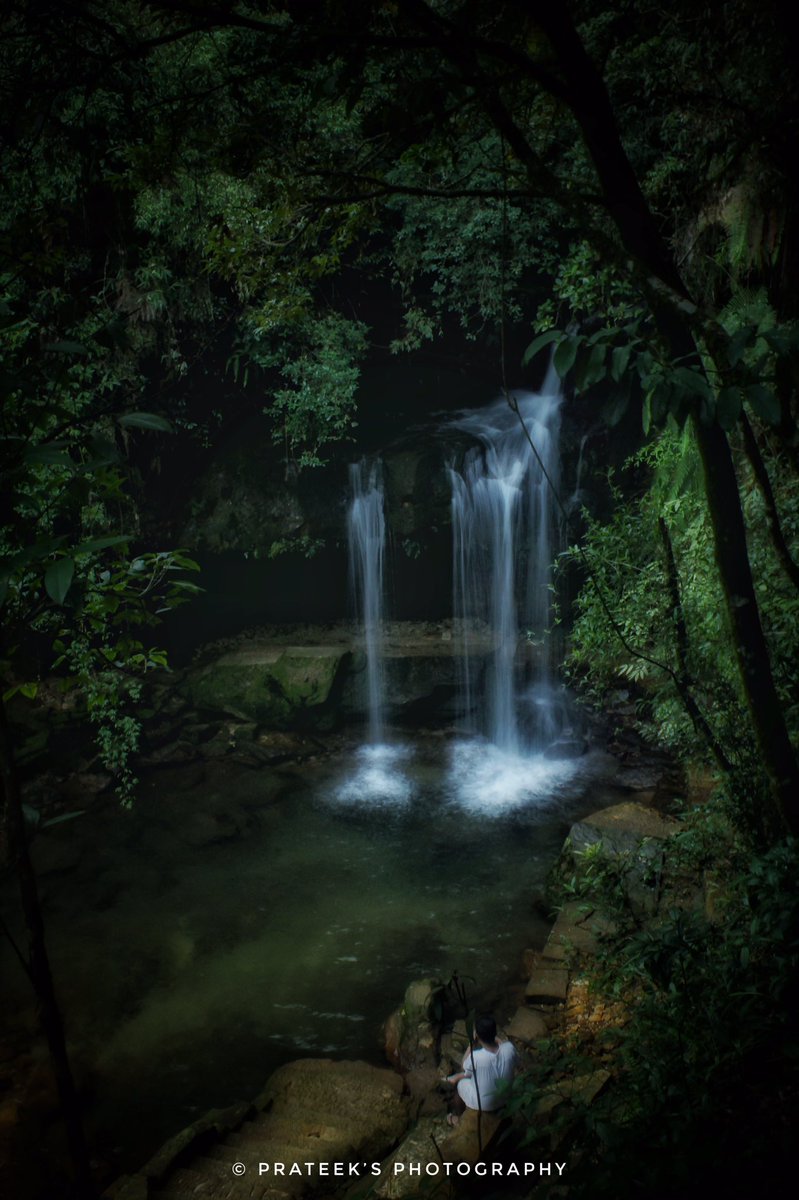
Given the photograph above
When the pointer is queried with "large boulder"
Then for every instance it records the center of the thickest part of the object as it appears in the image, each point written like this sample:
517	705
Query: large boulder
281	687
314	1119
361	1108
622	829
411	1032
632	835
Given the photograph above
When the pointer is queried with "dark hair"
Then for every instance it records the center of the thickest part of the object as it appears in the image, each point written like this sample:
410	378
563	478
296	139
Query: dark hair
486	1029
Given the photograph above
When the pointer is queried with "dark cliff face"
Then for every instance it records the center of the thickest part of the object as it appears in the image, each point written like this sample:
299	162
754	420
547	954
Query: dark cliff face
272	541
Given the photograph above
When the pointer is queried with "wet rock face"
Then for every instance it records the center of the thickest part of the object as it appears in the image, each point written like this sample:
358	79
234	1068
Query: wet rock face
417	488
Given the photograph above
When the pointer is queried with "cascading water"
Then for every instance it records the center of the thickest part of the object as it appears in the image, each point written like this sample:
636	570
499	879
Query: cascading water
504	532
377	777
367	541
504	538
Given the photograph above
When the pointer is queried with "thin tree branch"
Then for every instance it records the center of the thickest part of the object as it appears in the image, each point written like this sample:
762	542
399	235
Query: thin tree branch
698	718
764	483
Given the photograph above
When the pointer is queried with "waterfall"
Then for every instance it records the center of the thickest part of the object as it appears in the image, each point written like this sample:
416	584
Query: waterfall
366	528
504	525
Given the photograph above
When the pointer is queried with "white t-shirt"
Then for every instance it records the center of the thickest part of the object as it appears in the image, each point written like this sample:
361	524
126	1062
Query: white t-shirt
489	1067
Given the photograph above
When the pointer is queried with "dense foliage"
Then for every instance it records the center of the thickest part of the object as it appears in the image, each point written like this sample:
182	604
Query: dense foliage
200	202
653	560
695	1019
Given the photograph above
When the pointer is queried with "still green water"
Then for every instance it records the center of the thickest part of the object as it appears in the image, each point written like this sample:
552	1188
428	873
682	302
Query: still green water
240	918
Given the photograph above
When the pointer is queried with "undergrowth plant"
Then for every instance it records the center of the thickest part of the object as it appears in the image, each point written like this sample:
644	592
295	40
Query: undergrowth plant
706	1059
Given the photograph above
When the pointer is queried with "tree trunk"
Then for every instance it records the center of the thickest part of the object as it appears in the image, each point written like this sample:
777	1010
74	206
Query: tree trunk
38	964
751	651
672	307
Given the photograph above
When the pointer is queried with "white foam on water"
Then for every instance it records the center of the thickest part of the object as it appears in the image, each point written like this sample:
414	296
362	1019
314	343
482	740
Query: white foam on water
485	779
378	778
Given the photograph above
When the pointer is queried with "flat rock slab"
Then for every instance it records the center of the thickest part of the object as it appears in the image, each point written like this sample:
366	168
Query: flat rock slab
527	1026
621	828
463	1144
575	933
548	983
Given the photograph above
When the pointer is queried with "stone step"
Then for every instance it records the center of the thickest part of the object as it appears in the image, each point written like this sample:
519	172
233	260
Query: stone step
574	934
548	983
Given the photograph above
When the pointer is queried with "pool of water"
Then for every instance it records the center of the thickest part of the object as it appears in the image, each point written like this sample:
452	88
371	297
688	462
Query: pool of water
240	918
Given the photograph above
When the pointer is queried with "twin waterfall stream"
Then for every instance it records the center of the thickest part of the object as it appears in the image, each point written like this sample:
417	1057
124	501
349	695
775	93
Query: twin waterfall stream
504	538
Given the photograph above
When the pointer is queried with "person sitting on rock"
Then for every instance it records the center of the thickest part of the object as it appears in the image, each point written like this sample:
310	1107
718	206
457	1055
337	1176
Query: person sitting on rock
483	1069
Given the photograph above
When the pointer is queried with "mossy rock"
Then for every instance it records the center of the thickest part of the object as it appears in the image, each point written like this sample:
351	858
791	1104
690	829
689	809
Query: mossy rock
279	689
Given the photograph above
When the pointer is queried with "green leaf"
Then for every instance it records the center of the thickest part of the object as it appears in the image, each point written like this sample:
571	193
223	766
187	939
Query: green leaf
58	577
591	369
29	690
145	420
783	339
70	816
661	402
764	403
738	343
103	543
615	409
565	355
543	339
184	563
619	361
51	454
692	381
646	411
32	815
728	407
66	347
